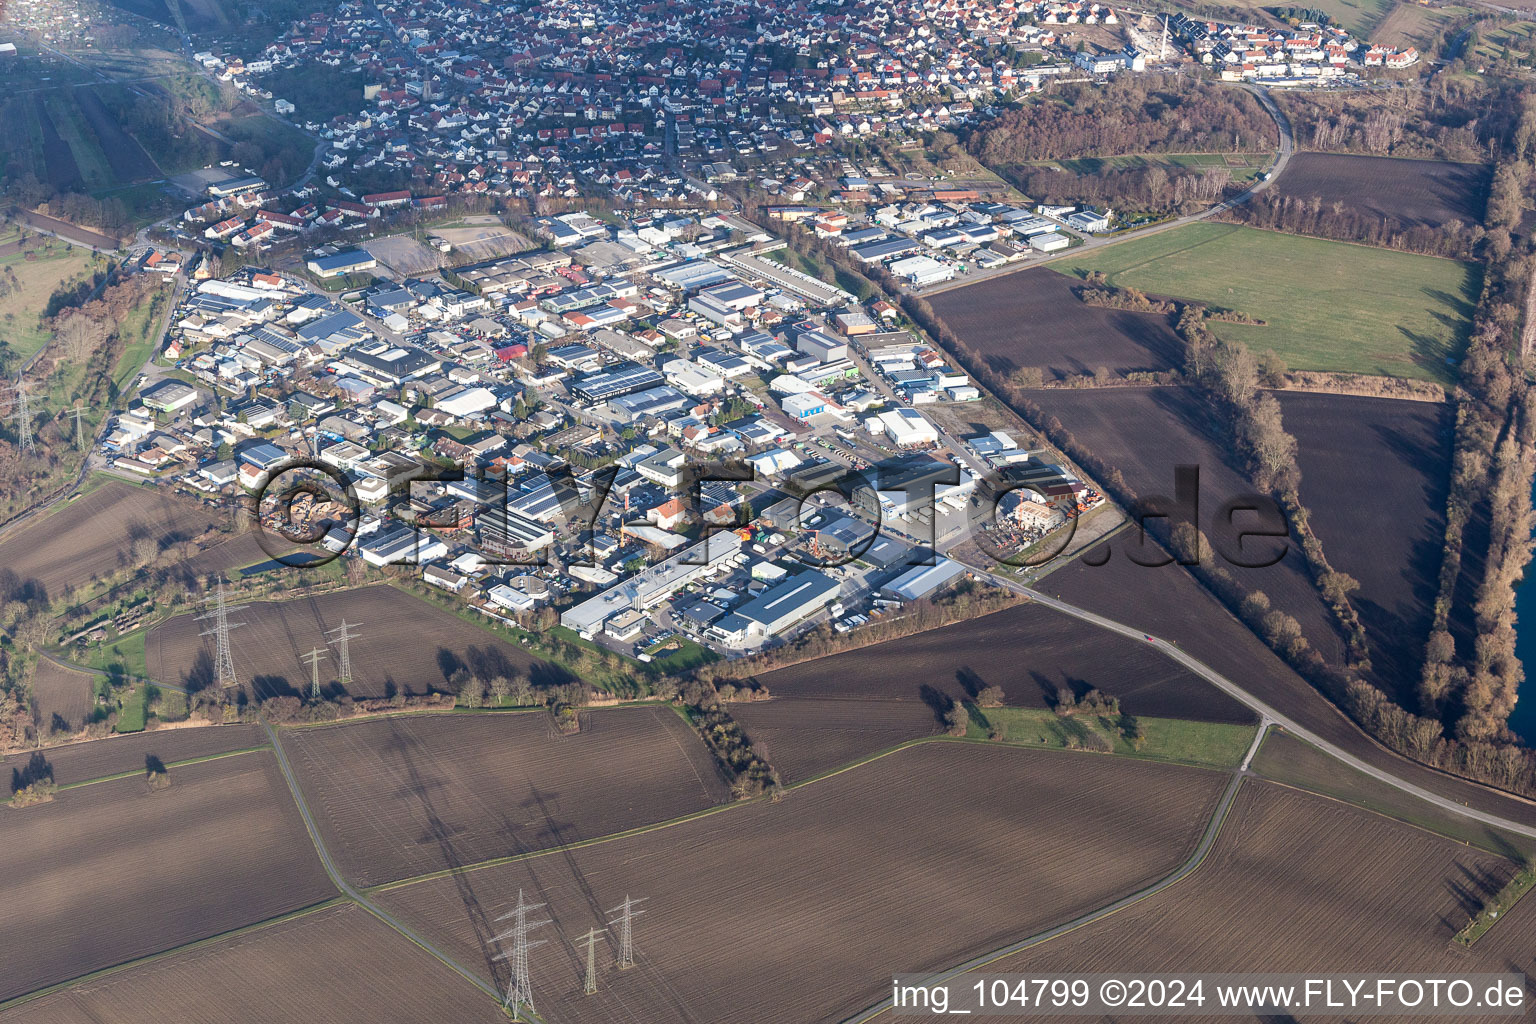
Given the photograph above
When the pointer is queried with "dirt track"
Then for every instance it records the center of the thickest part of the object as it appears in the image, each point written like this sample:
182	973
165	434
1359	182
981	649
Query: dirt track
910	863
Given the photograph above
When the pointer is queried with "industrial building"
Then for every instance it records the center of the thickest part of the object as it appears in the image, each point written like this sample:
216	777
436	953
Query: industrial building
654	585
401	544
510	534
922	270
778	607
621	379
920	581
805	405
337	264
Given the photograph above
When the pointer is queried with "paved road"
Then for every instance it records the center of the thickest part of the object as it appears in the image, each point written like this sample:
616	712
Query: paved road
1207	840
1268	713
1267	717
1287	150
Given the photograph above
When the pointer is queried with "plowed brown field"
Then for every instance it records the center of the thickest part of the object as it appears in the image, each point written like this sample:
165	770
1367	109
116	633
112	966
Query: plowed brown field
409	795
1028	651
111	871
1296	883
800	910
1034	319
91	536
335	966
405	645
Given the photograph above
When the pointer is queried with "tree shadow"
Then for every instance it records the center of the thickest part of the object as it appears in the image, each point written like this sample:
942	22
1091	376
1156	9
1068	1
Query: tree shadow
487	661
937	700
448	663
970	681
1425	352
543	674
200	676
267	686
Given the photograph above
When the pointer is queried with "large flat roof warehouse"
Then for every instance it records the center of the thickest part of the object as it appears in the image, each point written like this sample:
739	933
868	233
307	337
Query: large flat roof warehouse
922	270
340	263
783	605
236	186
169	395
692	276
923	580
620	380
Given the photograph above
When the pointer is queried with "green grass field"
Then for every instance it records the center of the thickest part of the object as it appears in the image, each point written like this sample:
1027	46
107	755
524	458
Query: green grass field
683	658
1515	41
1167	739
1523	882
1327	305
123	655
1358	16
135	710
54	263
140	337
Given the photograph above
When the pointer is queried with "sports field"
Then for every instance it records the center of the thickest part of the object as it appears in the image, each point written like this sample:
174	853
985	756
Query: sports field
1326	305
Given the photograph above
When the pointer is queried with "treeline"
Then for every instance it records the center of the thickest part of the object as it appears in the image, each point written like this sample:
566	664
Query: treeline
1298	215
86	336
1154	188
1471	674
109	215
1231	378
1129	114
1099	292
90	336
1453	118
749	773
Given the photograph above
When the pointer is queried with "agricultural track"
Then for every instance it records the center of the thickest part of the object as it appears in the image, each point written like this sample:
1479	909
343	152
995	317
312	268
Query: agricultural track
1227	686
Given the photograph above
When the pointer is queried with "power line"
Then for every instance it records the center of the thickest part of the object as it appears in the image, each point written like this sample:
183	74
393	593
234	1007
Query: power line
627	914
313	659
591	940
520	987
343	636
223	659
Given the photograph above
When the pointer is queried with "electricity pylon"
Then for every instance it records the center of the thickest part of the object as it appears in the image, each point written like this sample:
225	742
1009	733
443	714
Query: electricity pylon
591	941
78	414
313	659
22	414
342	635
223	659
520	988
627	914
